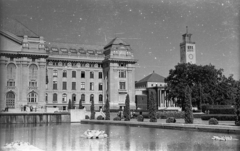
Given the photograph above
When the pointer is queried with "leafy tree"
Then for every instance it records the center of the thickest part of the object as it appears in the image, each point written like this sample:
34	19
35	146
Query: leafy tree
237	104
208	85
92	109
126	111
80	104
152	107
188	107
107	109
69	104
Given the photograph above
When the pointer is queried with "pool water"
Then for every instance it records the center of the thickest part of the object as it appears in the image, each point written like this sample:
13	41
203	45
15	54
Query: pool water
67	137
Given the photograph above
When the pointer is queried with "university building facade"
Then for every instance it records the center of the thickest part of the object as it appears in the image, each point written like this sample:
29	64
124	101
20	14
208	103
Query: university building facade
49	74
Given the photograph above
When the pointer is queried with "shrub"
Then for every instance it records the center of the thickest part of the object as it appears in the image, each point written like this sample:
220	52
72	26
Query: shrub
152	108
100	117
86	117
107	110
126	112
219	117
140	118
117	119
222	111
92	109
213	121
171	120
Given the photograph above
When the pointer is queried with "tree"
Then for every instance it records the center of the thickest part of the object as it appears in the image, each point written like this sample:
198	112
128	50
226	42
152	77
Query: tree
188	106
126	112
107	109
92	108
237	105
69	104
73	105
152	107
80	104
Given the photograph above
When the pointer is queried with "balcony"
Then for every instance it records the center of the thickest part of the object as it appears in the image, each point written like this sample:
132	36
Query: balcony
122	91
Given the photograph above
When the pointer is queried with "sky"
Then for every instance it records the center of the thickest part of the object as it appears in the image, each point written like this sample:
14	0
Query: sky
153	28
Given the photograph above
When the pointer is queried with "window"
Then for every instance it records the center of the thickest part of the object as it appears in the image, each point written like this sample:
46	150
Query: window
100	98
55	73
82	74
82	85
122	85
100	87
64	98
10	100
11	83
122	74
33	83
91	86
54	85
73	74
11	71
64	86
83	97
73	85
91	97
55	97
100	75
33	71
32	97
46	98
91	75
64	74
74	97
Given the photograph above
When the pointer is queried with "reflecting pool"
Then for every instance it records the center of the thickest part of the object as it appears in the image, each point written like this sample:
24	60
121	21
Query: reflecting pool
66	137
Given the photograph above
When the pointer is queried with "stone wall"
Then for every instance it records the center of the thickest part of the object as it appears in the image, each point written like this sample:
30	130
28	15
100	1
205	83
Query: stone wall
31	118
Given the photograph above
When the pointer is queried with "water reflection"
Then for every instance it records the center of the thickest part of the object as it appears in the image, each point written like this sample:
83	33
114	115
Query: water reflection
66	137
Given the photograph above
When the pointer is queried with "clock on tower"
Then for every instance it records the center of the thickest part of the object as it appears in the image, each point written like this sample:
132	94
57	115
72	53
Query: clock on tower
187	49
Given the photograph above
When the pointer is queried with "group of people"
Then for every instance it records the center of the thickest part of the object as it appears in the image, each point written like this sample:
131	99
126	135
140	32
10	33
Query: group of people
28	108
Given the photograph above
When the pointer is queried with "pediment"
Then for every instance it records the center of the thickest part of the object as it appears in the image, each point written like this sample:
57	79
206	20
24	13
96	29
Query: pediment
8	44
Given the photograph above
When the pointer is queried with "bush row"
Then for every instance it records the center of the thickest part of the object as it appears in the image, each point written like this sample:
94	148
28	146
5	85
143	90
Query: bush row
206	107
219	117
221	111
165	115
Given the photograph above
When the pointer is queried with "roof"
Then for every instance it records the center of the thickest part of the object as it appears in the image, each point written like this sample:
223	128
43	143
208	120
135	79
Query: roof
73	48
153	77
16	27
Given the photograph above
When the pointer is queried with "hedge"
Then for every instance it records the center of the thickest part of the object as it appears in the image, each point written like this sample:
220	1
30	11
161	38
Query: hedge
219	117
166	114
207	107
222	111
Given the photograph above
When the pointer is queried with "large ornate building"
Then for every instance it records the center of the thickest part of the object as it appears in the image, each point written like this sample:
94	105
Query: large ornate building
48	74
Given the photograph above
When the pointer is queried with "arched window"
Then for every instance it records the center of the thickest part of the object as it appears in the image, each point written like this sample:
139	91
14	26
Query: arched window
10	100
83	97
64	74
54	97
100	99
91	75
11	71
64	97
91	97
74	97
32	97
33	71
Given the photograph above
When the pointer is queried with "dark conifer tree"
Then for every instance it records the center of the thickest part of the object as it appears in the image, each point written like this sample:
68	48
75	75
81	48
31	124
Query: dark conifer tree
188	106
152	108
127	109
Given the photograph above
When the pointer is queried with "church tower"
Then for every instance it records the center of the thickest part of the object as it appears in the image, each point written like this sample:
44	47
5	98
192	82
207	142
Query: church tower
187	49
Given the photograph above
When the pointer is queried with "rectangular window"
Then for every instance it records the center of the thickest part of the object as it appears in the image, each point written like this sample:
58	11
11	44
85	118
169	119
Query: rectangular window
122	85
100	75
82	74
73	74
73	85
11	83
91	75
64	86
54	85
33	84
100	87
91	86
64	74
122	74
82	85
55	73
